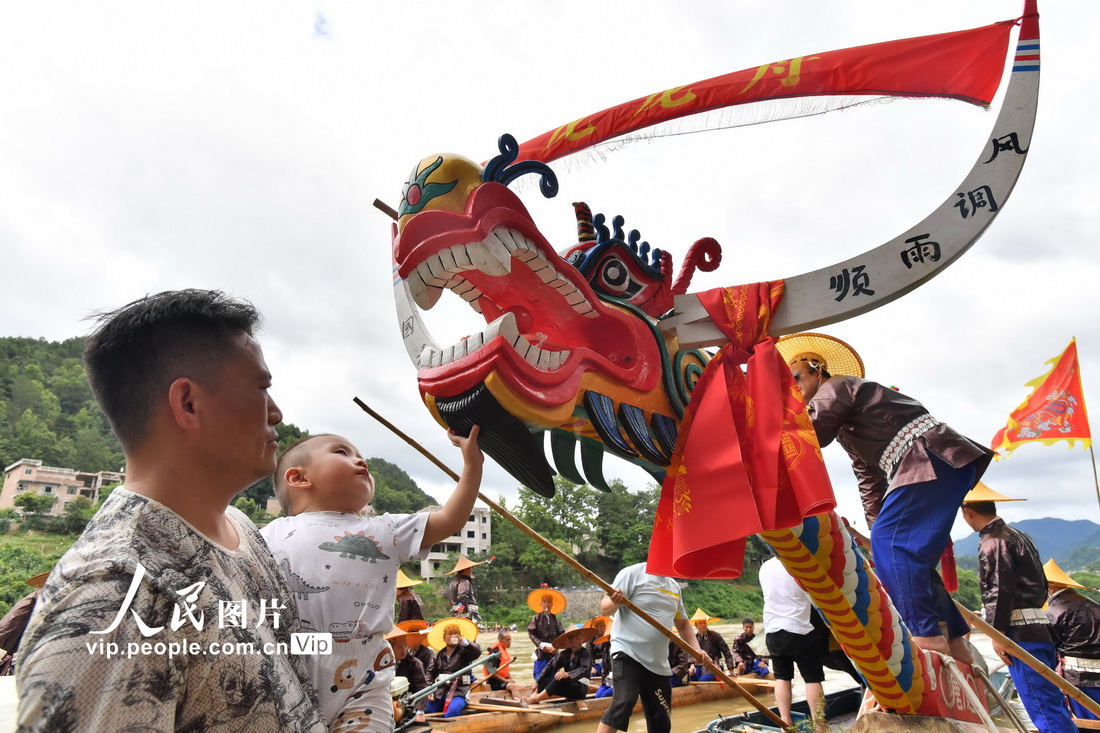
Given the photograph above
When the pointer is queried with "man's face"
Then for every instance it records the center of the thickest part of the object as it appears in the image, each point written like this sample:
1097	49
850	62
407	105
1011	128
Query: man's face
452	635
506	641
240	416
807	380
749	628
400	648
701	627
547	603
340	476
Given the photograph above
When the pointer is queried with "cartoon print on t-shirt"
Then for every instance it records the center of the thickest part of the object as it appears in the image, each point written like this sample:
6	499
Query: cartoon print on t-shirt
300	588
356	545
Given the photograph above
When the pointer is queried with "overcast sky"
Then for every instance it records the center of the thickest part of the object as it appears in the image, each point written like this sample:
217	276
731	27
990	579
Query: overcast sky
149	146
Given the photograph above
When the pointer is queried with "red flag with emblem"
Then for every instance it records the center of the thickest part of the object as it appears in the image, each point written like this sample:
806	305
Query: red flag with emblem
964	65
1054	411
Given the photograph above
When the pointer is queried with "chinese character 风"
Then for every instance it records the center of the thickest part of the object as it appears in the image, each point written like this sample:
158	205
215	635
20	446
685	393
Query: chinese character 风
1006	142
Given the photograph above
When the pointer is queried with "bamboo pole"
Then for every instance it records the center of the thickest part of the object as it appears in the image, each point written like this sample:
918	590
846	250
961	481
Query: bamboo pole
507	709
572	562
483	680
1023	655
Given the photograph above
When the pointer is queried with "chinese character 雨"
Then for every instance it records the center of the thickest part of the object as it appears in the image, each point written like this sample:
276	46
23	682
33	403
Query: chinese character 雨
980	198
920	251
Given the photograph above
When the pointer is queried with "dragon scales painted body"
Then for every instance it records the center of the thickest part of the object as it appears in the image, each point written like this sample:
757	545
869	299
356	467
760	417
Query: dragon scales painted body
586	346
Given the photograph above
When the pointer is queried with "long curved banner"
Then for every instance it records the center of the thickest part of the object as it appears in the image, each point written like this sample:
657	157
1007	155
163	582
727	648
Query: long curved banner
964	65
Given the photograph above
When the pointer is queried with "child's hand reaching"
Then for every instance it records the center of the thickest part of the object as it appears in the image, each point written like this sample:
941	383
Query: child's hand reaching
471	451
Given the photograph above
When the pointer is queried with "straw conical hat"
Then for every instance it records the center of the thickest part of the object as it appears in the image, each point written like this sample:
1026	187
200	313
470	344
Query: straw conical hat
408	635
38	581
1055	574
981	492
466	627
414	626
607	621
534	600
404	581
579	632
701	615
841	360
463	563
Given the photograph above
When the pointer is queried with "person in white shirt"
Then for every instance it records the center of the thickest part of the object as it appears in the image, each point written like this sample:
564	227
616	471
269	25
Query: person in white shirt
790	636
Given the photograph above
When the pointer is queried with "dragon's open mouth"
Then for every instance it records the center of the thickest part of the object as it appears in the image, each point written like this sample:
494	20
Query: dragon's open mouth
546	326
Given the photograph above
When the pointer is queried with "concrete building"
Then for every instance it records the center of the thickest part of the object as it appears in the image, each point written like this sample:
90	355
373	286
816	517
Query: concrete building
472	540
66	484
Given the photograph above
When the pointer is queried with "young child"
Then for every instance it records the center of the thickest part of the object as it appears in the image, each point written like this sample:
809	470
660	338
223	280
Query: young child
342	569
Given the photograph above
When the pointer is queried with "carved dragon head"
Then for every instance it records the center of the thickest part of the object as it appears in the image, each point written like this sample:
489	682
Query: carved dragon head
571	344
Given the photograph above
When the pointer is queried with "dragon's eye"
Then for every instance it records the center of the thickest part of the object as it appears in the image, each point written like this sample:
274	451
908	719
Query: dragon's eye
615	277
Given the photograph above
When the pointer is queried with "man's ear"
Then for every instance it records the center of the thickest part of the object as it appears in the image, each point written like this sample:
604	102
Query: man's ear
296	479
182	398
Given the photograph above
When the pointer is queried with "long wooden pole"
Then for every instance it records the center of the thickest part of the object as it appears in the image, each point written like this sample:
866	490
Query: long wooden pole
572	562
1025	657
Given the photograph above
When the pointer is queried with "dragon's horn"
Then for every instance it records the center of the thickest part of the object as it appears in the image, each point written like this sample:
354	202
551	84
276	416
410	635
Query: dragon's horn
705	254
585	231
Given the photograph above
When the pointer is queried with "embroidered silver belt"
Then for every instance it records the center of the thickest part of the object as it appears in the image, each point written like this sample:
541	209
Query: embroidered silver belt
1025	616
900	443
1081	664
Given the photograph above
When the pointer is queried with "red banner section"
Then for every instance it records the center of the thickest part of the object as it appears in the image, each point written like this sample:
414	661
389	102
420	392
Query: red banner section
1054	411
747	458
965	65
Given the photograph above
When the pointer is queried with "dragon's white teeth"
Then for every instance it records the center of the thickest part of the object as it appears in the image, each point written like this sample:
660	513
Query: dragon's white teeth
490	257
424	295
462	260
432	272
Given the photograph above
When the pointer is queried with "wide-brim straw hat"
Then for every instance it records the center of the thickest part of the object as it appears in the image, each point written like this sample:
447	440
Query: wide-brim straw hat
414	626
981	492
607	621
534	600
408	636
1055	574
841	360
463	563
580	632
404	581
38	581
466	627
701	615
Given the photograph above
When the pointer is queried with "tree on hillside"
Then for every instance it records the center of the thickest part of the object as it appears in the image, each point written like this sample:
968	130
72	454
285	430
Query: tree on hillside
35	505
395	491
264	489
78	512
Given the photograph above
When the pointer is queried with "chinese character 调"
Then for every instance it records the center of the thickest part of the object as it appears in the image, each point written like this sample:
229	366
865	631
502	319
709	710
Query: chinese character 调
980	198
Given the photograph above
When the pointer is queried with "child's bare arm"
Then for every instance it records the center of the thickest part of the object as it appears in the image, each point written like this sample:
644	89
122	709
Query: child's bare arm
452	517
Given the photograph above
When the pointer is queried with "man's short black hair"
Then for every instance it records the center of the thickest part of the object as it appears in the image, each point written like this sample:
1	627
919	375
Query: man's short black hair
747	620
984	508
139	349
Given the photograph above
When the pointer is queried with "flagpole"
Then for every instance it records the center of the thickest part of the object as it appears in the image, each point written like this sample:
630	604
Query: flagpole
1095	480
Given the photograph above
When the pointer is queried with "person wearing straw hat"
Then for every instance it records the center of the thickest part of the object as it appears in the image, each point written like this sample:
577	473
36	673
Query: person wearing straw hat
409	605
460	591
913	472
416	641
713	644
455	642
15	623
547	603
600	648
405	664
1014	588
567	674
1076	622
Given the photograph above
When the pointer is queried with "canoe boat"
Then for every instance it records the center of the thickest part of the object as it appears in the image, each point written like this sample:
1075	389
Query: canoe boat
837	705
521	720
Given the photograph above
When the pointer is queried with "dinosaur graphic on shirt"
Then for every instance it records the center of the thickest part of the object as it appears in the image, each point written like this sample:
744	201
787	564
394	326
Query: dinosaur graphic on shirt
300	588
358	545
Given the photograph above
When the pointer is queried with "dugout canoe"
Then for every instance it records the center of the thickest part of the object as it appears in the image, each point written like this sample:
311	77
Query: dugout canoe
589	709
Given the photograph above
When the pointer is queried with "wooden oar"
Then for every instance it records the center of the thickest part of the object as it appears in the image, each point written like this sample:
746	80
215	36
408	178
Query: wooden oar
506	709
572	562
483	680
1024	656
